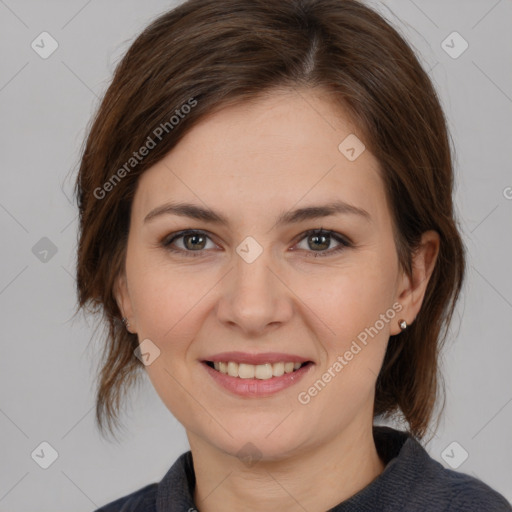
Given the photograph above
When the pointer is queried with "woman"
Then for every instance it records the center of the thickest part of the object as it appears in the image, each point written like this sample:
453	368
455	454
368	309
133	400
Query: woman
266	225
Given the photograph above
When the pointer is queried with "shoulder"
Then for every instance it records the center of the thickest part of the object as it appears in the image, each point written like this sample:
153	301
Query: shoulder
413	480
143	500
459	492
470	494
175	488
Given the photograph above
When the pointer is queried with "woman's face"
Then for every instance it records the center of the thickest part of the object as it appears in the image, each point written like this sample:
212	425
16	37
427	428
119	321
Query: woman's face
253	285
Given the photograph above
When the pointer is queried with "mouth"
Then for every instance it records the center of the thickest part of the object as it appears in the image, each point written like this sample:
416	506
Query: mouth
256	380
265	371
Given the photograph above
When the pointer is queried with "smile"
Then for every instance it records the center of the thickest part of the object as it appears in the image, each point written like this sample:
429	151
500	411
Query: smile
251	371
248	380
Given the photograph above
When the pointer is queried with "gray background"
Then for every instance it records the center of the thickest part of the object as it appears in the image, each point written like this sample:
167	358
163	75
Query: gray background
47	389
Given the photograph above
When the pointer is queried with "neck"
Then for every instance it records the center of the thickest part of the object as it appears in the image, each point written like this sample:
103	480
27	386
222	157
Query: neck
336	471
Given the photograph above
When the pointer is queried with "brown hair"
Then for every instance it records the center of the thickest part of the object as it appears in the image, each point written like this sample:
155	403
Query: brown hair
208	53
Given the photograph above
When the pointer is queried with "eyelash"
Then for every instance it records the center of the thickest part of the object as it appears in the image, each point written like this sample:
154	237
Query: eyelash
343	241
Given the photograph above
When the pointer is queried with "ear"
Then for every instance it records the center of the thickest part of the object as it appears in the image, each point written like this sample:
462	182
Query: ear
122	296
411	290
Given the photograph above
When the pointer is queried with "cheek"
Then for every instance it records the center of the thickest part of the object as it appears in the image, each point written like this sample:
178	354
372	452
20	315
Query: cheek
351	304
166	304
165	296
350	297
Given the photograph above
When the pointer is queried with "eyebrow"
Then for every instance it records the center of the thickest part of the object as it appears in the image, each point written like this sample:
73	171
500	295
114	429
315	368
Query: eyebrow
291	217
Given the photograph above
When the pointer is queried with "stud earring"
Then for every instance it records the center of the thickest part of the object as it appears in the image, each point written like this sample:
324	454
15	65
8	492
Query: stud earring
402	324
125	322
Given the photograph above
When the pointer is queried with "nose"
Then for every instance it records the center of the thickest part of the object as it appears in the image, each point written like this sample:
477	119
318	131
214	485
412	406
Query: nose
254	298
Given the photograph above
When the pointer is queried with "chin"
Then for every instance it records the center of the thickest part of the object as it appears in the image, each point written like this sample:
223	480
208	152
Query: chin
257	445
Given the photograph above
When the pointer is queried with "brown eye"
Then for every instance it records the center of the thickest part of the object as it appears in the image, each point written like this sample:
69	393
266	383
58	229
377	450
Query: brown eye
194	241
190	241
319	240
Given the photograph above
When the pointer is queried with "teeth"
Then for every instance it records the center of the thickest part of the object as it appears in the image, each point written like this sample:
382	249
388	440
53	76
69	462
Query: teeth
258	371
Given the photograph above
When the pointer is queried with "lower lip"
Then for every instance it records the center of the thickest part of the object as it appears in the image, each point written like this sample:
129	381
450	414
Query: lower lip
257	387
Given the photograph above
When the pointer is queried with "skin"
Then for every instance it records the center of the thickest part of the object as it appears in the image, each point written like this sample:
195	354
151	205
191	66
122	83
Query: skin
251	162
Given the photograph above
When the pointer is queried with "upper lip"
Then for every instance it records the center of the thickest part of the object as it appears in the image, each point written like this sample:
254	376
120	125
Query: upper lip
265	357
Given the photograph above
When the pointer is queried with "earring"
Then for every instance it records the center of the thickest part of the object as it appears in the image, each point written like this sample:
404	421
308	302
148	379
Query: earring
402	324
125	322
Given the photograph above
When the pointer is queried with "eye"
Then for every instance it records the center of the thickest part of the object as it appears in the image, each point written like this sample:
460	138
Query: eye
321	239
194	242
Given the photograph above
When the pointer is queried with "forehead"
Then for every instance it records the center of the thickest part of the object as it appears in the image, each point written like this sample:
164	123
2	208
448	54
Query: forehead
280	150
